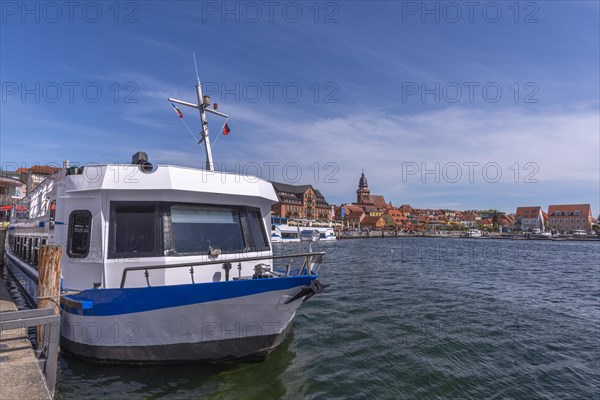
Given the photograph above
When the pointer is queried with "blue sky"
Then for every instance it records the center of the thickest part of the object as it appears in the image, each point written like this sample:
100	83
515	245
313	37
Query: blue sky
442	105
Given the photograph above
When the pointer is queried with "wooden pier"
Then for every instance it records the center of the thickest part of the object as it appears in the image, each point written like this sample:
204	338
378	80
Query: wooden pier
20	373
25	372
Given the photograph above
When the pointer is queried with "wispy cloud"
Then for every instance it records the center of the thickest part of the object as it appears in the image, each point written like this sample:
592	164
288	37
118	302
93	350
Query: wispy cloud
549	147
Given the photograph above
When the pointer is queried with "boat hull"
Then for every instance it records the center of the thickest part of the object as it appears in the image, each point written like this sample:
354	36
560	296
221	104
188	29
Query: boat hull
25	276
207	322
278	239
254	348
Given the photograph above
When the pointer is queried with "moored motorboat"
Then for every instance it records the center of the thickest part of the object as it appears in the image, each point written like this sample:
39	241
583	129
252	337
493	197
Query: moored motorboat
473	233
325	234
162	264
284	231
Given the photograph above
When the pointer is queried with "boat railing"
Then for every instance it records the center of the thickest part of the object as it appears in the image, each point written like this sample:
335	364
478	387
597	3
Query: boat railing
310	266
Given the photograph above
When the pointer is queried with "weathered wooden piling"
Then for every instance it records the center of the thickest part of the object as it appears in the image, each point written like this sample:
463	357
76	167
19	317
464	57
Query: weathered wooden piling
48	283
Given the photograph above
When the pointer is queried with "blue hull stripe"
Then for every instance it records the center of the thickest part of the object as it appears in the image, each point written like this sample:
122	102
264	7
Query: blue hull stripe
106	302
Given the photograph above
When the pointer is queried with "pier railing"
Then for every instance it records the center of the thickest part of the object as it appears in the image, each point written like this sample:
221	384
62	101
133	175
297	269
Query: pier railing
48	353
310	259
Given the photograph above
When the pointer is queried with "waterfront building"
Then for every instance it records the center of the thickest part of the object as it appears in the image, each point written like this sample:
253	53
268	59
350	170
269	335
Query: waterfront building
507	221
373	211
450	215
354	219
530	218
14	185
35	175
11	189
374	222
570	217
301	202
486	223
458	216
351	215
389	221
406	210
396	216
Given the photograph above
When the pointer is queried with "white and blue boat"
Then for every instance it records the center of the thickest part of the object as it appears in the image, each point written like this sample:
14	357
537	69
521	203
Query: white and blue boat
326	234
162	264
283	232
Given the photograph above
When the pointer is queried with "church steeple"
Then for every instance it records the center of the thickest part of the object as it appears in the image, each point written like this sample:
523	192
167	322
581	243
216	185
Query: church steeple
362	183
363	194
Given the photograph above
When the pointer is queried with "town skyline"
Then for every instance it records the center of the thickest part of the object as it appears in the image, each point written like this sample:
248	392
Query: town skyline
370	210
346	199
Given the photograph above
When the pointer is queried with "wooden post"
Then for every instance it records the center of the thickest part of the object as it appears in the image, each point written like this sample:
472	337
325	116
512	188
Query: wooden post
48	286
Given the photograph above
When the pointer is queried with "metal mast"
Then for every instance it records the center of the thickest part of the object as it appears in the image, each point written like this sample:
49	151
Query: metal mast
203	106
204	122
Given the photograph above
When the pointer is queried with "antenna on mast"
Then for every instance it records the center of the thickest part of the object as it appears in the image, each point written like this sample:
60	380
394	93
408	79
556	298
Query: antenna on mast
196	66
203	106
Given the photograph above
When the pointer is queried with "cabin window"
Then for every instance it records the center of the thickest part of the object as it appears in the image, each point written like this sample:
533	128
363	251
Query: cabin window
154	229
134	230
199	229
80	224
257	231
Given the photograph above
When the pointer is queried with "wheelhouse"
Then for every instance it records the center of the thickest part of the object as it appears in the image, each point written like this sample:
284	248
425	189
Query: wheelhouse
168	215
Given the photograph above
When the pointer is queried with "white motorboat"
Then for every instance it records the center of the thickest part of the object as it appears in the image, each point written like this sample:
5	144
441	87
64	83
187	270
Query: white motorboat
474	233
162	264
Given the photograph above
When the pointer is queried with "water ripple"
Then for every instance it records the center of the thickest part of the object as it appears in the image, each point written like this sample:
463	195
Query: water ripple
411	318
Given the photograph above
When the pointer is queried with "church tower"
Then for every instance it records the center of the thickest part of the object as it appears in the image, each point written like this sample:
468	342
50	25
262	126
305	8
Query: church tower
363	194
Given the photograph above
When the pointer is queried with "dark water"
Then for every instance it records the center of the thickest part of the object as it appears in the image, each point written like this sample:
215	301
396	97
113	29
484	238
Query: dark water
410	318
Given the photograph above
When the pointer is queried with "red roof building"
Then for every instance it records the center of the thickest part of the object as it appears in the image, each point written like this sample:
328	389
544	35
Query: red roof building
300	201
373	222
570	217
530	218
396	215
406	209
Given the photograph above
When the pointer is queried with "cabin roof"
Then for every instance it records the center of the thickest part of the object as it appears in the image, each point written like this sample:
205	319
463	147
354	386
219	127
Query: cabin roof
167	177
